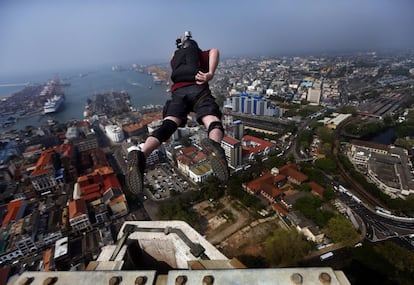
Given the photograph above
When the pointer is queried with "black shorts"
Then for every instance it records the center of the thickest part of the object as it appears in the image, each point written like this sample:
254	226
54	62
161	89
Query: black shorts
193	98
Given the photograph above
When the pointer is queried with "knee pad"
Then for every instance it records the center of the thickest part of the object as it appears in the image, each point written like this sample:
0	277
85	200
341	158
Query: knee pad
215	125
165	131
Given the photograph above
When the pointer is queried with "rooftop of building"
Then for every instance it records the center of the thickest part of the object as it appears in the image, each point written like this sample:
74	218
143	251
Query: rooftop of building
253	144
265	276
13	209
230	140
77	208
136	126
190	259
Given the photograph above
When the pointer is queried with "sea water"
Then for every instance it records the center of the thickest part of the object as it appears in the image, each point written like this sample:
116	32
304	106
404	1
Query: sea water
83	85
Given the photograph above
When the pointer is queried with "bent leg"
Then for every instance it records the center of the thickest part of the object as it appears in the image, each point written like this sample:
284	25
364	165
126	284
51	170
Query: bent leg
216	134
213	149
160	135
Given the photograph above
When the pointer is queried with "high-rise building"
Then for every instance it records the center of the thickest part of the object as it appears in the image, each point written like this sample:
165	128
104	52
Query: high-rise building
172	252
227	119
253	104
236	105
233	150
248	106
237	130
259	107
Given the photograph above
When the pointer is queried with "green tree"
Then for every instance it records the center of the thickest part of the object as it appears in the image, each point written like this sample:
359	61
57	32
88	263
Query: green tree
386	261
210	188
314	174
326	135
180	209
291	128
234	189
346	163
326	164
305	136
309	206
401	259
341	230
329	193
388	121
347	110
305	187
274	161
326	149
286	248
405	129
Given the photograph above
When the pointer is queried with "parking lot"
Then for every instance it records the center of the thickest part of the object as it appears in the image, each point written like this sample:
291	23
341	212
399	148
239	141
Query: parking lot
164	179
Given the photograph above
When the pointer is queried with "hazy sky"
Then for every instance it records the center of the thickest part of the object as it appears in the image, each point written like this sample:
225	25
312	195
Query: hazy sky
40	35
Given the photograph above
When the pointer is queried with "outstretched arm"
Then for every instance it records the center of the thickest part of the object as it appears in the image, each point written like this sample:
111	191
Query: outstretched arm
213	60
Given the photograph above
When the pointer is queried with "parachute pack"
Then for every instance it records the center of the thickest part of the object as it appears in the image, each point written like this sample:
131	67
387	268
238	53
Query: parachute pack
186	62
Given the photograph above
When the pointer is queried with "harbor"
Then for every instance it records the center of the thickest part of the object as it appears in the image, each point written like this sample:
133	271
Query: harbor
77	89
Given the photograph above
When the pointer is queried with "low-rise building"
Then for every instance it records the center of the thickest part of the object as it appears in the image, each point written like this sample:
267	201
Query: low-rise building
78	215
253	147
269	184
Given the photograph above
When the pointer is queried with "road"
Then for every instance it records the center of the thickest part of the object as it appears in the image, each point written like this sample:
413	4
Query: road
379	228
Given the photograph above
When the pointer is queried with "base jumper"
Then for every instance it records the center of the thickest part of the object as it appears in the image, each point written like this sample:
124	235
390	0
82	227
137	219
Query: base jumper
192	69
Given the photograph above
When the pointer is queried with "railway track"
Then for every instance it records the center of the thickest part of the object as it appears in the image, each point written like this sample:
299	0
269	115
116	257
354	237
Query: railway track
357	188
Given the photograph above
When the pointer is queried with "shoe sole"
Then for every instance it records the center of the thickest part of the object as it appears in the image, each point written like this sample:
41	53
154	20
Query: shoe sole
219	166
134	179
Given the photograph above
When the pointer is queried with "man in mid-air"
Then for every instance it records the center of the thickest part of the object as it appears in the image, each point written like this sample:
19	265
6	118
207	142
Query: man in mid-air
192	69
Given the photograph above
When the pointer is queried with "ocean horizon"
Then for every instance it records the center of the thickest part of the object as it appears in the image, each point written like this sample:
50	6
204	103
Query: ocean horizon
84	83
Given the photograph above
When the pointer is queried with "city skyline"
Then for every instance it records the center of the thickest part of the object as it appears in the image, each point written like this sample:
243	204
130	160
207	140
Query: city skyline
45	35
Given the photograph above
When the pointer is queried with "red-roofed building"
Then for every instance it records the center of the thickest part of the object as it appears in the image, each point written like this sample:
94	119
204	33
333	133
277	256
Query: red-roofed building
316	189
188	157
54	166
95	184
101	185
257	185
193	163
253	146
43	177
278	208
270	192
137	129
92	159
268	185
118	206
48	264
15	211
291	171
189	150
152	116
78	215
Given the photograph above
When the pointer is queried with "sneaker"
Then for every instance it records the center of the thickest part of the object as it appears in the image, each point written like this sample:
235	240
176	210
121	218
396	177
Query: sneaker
135	171
217	157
